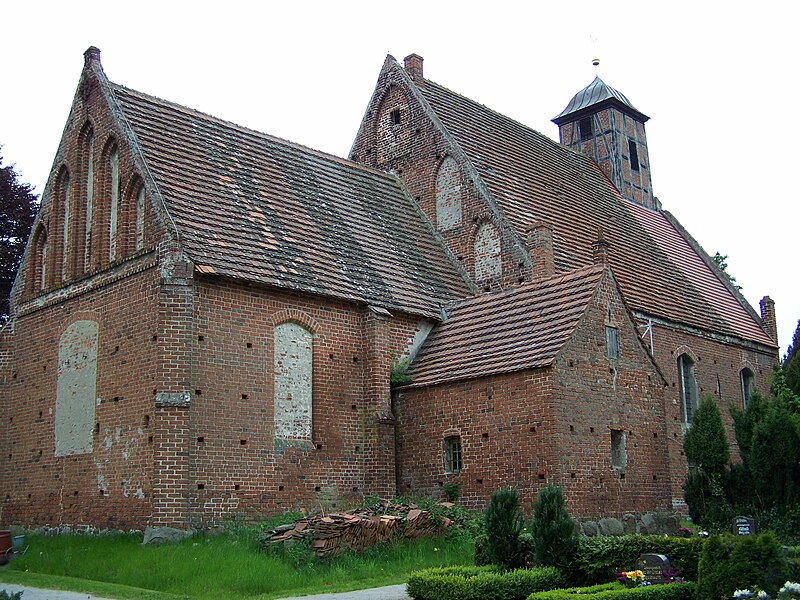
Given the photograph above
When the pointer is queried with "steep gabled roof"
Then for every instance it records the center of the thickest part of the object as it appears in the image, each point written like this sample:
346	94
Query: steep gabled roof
519	328
532	178
257	208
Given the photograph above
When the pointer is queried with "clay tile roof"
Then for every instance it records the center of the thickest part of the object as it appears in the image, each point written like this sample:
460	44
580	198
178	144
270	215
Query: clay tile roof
519	328
254	207
593	94
532	178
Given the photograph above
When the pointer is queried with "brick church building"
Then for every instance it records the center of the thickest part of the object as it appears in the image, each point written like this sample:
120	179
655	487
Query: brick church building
207	318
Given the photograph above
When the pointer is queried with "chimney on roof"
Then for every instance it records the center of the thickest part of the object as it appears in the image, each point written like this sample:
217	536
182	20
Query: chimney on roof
413	66
600	249
768	317
540	247
92	54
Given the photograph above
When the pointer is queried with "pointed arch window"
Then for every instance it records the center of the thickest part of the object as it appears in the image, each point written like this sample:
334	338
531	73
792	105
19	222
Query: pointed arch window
113	222
62	202
488	262
82	244
688	387
448	195
748	381
38	268
140	206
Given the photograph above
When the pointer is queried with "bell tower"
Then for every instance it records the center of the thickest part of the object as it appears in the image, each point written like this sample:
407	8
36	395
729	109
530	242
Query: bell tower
602	123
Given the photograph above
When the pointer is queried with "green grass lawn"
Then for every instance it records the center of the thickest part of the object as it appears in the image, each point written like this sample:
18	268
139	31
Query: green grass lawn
223	566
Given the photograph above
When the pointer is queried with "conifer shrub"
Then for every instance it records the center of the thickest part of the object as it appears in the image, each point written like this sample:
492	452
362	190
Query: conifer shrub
729	563
707	451
504	524
553	530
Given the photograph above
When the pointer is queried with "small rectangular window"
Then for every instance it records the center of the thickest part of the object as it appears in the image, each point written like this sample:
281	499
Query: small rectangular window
585	128
634	155
612	343
452	454
619	458
395	116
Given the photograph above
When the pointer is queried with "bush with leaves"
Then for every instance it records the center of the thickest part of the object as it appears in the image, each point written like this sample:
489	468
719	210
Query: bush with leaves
597	559
504	524
729	563
553	530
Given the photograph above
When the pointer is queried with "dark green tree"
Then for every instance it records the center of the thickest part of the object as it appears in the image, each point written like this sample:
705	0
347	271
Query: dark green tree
553	530
791	363
504	523
706	447
18	206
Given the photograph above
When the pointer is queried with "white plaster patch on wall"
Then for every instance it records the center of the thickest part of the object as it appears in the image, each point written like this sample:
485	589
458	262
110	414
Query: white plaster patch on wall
76	388
488	263
448	195
424	327
293	376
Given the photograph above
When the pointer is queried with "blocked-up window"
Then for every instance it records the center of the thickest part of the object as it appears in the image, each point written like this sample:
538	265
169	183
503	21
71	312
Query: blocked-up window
688	387
488	261
612	343
448	195
619	457
452	454
748	384
76	388
293	381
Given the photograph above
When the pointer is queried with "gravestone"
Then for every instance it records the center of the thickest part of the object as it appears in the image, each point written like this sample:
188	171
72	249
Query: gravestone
653	566
744	526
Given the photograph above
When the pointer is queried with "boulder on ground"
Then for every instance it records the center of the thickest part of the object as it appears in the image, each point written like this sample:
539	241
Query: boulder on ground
610	526
155	536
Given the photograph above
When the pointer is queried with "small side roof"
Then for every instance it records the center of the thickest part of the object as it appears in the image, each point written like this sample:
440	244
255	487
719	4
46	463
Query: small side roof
594	94
519	328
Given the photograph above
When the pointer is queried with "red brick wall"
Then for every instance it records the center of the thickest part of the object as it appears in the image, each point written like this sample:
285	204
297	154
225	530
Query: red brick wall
527	428
415	150
595	394
713	359
109	487
236	465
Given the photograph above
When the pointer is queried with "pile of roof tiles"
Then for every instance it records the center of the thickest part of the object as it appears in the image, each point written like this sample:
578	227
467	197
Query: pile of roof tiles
359	529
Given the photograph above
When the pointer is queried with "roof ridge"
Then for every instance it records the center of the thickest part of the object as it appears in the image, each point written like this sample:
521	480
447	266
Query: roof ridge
491	110
277	139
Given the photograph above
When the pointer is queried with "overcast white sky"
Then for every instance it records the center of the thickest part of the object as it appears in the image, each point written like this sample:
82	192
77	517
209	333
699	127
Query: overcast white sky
718	79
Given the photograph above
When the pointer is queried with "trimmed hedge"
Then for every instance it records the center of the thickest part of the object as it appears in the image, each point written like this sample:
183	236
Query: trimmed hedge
600	558
481	583
615	591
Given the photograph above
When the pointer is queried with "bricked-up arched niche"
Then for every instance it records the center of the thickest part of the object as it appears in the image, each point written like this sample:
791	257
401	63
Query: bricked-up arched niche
747	381
688	387
109	176
488	259
76	388
132	215
393	126
62	215
293	381
449	192
83	242
38	276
